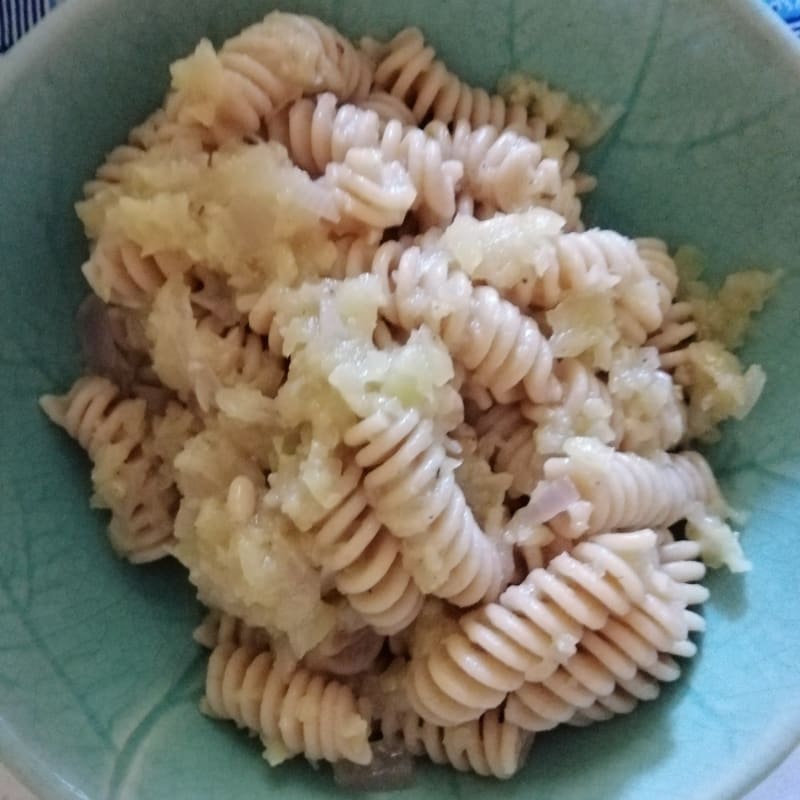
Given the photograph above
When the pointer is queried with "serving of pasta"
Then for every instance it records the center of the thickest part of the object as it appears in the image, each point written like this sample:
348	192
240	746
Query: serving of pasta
421	440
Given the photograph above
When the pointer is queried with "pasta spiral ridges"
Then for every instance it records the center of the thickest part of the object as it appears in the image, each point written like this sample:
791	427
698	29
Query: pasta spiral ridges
487	746
119	272
255	85
142	530
388	107
616	667
597	260
370	191
160	129
355	256
626	490
655	255
501	348
112	430
94	413
501	168
524	635
410	482
367	563
410	71
316	134
677	329
678	562
299	712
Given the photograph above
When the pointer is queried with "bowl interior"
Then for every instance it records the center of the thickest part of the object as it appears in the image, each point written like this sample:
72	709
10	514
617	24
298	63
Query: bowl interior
99	678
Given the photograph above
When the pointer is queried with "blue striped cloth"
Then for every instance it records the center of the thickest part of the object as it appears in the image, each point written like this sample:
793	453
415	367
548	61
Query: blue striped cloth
790	11
19	16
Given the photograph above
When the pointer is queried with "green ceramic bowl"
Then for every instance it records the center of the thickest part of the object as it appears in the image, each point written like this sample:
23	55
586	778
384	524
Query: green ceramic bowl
99	678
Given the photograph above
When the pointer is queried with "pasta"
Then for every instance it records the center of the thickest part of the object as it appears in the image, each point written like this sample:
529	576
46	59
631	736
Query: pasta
293	713
487	746
316	134
501	168
625	490
410	483
421	441
114	432
525	635
231	92
622	662
408	70
501	348
368	563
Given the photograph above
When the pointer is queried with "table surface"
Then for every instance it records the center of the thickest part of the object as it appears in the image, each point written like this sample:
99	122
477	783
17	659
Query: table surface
782	784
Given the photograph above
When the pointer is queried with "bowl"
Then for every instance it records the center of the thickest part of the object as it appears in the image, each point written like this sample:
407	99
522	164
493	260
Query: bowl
99	677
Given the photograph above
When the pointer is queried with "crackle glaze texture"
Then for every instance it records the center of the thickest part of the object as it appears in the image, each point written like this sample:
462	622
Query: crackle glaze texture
99	678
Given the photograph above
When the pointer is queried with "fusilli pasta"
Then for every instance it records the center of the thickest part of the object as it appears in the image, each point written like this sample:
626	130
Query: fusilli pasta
500	347
367	562
410	482
489	745
409	70
261	70
421	441
294	713
113	431
625	490
316	134
524	635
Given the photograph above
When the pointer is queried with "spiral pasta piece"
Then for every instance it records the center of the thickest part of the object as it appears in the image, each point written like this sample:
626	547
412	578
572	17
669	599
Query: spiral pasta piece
488	746
645	684
112	430
677	330
367	562
96	416
370	191
502	168
626	490
293	713
597	260
621	664
410	71
317	133
501	348
410	482
526	634
160	130
119	272
656	258
263	69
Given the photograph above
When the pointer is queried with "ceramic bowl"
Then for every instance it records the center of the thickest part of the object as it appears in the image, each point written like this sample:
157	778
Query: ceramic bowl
99	677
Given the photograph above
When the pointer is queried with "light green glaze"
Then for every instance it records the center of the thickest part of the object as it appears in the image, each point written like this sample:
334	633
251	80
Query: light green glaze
99	679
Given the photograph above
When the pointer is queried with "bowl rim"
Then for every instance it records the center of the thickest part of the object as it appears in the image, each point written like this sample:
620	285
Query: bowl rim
58	25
